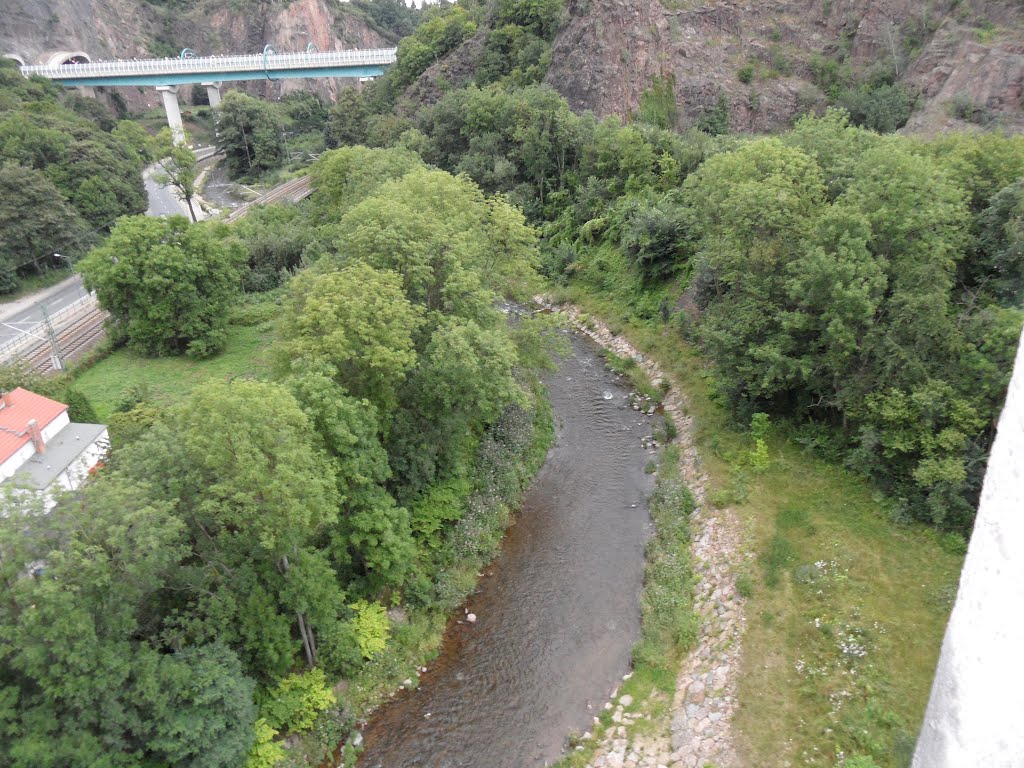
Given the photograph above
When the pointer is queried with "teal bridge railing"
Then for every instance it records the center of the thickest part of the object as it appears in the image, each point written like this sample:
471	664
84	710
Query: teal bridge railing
268	65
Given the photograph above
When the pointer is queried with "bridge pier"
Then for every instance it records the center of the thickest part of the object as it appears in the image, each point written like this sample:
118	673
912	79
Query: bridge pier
973	716
170	97
213	93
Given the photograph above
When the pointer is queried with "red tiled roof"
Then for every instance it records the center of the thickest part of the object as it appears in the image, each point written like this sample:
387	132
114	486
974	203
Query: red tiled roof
14	418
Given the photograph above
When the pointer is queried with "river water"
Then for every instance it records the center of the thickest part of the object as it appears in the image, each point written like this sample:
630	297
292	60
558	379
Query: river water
558	611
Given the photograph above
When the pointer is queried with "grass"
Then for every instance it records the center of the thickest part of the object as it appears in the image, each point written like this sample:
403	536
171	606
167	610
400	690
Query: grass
170	379
847	609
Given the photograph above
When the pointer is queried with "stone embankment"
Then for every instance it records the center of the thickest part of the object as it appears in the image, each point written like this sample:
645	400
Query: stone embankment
696	731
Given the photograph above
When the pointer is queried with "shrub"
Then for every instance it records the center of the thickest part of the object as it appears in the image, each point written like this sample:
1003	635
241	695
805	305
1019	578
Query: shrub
963	108
371	627
265	752
746	73
883	108
953	543
745	585
715	121
294	703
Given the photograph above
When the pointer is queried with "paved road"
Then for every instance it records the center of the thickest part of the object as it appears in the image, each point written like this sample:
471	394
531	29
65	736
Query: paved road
162	200
23	314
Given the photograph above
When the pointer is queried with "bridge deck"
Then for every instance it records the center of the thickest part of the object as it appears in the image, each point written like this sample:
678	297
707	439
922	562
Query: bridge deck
200	69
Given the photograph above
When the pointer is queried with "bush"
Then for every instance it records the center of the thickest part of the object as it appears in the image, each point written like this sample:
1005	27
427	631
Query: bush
963	108
265	752
954	544
746	73
371	626
715	121
294	703
883	108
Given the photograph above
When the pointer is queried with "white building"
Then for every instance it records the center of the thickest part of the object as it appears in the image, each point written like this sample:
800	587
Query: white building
41	449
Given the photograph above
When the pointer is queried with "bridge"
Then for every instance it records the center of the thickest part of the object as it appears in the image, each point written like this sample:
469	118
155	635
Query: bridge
75	70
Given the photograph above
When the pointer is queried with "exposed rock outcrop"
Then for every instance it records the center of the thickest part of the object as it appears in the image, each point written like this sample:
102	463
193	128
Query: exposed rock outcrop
609	52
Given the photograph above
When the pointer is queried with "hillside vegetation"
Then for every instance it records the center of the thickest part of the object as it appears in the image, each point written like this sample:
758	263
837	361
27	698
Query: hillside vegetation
67	171
261	513
322	419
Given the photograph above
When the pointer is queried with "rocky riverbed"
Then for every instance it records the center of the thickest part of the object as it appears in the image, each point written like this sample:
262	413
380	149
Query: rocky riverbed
697	730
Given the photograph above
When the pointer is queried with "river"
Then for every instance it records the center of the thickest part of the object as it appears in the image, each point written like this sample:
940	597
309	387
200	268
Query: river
558	610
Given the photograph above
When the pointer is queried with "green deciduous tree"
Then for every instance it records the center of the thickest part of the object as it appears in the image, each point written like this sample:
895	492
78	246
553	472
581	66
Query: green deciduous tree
166	283
360	322
346	119
177	169
35	223
250	134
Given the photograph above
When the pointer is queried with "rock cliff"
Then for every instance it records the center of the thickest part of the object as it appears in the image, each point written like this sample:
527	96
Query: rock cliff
609	51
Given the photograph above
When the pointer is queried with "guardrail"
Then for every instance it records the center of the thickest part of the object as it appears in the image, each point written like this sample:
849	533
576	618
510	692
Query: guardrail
256	62
37	334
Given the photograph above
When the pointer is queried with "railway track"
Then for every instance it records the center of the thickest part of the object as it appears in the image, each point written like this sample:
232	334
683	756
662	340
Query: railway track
290	192
76	331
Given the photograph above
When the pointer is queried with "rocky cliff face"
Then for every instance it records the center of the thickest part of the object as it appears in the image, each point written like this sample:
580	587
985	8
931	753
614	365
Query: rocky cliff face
134	29
609	52
34	30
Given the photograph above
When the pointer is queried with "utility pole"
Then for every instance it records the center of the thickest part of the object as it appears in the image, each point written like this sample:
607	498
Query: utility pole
58	363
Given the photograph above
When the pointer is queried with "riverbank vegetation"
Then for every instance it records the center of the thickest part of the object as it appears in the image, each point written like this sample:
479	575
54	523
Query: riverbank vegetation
286	514
846	600
858	294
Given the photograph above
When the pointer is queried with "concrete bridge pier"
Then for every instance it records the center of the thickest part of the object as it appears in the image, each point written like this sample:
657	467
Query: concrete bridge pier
170	97
974	714
213	93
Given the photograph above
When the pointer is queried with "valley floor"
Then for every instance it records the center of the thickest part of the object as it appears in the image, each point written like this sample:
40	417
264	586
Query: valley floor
820	617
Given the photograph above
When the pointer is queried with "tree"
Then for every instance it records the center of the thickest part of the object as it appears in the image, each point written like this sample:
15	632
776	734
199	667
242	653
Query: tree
998	265
81	641
357	320
178	168
344	177
275	237
254	489
250	134
35	223
346	120
166	283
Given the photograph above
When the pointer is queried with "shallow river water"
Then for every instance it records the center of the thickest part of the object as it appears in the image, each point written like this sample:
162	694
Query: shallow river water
557	611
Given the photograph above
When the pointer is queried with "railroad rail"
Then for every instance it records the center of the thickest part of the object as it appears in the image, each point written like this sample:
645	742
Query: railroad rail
290	192
76	329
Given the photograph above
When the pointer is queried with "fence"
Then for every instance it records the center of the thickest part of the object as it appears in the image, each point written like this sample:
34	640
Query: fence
30	341
256	62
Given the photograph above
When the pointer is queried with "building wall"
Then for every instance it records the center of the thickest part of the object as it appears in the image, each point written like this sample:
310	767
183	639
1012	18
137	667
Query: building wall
27	451
78	470
13	464
50	430
975	717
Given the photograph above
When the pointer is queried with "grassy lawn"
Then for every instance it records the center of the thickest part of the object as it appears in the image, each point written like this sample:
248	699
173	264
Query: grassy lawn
847	608
169	379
